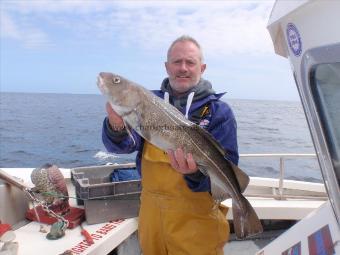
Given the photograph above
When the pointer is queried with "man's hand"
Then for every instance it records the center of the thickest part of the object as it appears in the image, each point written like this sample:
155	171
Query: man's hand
181	163
116	122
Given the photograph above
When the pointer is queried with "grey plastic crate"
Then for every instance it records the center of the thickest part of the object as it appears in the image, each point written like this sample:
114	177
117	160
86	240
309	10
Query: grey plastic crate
105	200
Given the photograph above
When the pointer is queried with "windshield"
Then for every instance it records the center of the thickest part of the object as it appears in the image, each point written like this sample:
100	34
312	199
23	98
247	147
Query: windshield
325	83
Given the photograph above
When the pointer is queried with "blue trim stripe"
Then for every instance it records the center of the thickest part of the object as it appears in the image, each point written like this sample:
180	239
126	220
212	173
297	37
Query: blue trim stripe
320	242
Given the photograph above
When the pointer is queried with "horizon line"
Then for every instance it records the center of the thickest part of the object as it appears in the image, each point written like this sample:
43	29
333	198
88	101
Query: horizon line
98	94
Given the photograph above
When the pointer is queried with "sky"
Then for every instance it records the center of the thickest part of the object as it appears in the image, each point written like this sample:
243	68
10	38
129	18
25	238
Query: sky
60	46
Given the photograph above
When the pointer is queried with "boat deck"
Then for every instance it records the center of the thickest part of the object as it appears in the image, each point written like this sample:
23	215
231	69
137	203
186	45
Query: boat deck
263	194
251	246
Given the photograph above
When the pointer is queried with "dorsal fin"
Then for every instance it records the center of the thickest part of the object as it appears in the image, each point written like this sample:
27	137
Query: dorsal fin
242	177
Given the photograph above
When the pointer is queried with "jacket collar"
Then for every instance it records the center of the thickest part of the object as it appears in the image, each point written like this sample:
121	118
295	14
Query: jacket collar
196	104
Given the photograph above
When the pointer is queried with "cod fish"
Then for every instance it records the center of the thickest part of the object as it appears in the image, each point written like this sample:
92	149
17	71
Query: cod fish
164	126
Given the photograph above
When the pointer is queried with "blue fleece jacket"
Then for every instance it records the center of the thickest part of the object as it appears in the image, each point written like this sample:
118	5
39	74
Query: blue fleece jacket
220	122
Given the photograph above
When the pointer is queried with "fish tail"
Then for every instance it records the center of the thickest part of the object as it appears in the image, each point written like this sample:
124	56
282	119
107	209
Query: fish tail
245	220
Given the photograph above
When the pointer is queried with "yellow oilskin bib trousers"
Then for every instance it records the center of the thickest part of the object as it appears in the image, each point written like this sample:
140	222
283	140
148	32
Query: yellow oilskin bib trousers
174	220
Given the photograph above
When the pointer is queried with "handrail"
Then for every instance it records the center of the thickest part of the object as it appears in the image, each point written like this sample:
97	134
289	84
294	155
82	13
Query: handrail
290	155
282	157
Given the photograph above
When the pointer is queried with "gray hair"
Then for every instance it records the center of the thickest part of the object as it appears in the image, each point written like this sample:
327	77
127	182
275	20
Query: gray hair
185	38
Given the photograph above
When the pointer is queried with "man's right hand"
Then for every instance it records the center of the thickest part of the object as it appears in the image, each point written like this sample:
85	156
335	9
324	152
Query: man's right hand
115	120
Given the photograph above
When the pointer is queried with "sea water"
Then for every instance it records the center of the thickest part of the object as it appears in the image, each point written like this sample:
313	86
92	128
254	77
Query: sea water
65	129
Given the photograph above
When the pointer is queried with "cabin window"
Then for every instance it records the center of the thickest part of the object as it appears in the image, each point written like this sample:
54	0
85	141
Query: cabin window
325	85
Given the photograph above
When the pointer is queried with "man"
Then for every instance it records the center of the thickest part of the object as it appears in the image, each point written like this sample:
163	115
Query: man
177	214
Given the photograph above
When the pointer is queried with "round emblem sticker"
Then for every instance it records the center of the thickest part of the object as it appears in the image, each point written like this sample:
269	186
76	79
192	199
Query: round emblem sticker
294	39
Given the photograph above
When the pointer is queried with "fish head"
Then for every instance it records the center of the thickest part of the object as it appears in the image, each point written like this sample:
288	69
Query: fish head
109	83
122	94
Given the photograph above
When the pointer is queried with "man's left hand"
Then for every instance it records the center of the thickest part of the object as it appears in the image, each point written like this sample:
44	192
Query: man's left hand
184	164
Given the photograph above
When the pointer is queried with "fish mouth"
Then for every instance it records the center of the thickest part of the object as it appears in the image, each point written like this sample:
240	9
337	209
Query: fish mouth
100	84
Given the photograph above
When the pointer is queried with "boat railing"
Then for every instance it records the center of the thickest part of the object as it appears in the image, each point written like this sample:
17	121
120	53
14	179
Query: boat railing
281	158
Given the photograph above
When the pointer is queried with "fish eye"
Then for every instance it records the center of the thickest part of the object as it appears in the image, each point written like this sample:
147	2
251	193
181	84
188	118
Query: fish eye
116	80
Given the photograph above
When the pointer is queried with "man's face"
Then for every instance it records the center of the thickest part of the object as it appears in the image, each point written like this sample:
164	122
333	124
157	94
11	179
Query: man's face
184	66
